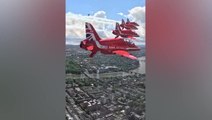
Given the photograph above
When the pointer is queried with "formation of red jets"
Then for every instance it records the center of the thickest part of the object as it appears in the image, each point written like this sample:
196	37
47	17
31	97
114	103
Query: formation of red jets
118	45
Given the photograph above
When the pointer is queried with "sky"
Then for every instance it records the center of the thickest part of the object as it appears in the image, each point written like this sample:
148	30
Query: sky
103	15
111	7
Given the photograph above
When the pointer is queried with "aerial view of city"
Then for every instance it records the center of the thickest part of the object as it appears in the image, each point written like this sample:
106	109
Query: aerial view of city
105	70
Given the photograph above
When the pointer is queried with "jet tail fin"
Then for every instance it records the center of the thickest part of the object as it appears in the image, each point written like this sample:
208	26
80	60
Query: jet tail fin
122	21
91	32
118	28
128	20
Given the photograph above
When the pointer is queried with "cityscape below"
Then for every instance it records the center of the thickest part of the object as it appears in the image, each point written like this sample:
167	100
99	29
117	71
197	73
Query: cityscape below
105	87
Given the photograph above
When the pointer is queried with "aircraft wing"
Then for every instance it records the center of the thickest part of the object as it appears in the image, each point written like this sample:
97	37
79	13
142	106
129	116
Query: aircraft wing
124	54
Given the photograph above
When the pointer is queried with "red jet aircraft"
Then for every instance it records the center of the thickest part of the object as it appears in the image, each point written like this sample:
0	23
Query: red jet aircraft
117	46
128	26
134	23
124	33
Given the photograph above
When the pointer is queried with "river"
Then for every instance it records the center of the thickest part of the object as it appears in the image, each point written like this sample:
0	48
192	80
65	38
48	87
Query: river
140	70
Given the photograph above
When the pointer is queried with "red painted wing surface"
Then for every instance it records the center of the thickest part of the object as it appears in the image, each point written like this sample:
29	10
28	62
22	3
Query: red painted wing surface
125	54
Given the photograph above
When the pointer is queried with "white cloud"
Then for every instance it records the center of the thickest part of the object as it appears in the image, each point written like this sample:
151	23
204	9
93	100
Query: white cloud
137	14
122	14
75	24
100	14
